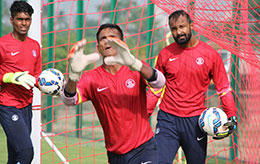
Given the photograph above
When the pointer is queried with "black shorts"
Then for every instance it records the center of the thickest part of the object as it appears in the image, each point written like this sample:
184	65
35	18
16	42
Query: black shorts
17	126
145	153
173	131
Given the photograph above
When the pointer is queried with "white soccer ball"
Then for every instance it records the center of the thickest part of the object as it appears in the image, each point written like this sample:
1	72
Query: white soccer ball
212	120
51	81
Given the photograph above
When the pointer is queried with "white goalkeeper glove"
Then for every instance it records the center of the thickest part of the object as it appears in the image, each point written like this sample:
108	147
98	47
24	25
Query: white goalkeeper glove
20	78
123	57
230	126
78	60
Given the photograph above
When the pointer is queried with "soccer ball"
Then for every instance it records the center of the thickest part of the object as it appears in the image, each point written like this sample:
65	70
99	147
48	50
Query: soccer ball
212	120
51	81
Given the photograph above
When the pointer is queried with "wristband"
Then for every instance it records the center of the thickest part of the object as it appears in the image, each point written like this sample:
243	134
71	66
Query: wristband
67	94
153	77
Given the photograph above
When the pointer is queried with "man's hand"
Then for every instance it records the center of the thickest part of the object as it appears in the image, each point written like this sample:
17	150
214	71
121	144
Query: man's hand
78	60
20	78
230	126
124	57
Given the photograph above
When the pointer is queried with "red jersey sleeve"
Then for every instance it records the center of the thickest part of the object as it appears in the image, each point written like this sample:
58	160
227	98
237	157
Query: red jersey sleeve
153	95
1	58
38	66
222	85
159	63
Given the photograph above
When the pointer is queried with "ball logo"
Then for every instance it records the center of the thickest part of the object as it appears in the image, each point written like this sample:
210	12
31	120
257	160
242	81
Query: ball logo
199	61
130	83
15	117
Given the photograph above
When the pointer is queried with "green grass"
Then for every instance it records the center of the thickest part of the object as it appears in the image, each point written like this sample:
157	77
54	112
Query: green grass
3	148
76	154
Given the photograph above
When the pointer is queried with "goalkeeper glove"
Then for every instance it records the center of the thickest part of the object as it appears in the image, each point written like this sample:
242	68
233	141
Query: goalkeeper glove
78	60
124	57
230	125
20	78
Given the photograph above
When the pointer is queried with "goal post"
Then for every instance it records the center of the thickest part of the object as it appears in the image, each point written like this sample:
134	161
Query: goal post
35	33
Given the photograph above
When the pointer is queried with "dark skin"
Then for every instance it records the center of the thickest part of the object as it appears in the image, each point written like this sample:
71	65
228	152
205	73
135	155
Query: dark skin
21	23
106	50
181	29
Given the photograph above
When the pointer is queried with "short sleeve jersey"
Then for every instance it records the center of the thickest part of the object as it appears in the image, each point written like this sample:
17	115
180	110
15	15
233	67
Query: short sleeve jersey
188	73
18	56
120	103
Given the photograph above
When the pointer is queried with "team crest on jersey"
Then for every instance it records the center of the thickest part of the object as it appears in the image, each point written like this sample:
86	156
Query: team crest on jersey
34	53
199	60
15	117
130	83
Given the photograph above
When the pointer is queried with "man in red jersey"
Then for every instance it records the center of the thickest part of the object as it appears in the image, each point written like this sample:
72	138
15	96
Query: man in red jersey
188	65
117	90
20	65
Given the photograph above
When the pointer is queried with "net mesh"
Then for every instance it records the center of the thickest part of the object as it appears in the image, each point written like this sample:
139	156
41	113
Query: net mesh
231	27
234	25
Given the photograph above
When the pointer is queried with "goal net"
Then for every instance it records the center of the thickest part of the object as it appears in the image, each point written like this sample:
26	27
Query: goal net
74	135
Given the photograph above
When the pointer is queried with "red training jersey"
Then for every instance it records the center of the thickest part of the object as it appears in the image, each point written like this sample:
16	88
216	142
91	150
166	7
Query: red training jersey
18	56
188	73
120	103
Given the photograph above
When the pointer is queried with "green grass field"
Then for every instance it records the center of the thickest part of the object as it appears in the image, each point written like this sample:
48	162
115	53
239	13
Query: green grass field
83	153
3	151
76	154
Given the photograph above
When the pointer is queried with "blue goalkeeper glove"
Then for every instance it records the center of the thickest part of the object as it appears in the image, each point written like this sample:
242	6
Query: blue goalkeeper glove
20	78
230	125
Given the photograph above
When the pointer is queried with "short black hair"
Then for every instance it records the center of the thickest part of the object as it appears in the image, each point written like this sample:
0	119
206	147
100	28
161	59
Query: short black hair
176	14
109	25
20	7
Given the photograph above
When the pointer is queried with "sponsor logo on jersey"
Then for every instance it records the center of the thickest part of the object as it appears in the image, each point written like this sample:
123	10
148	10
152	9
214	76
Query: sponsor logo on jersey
101	89
147	162
15	117
130	83
172	59
15	53
199	60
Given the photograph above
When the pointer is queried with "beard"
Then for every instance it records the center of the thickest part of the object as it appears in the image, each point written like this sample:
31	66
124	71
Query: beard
185	40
